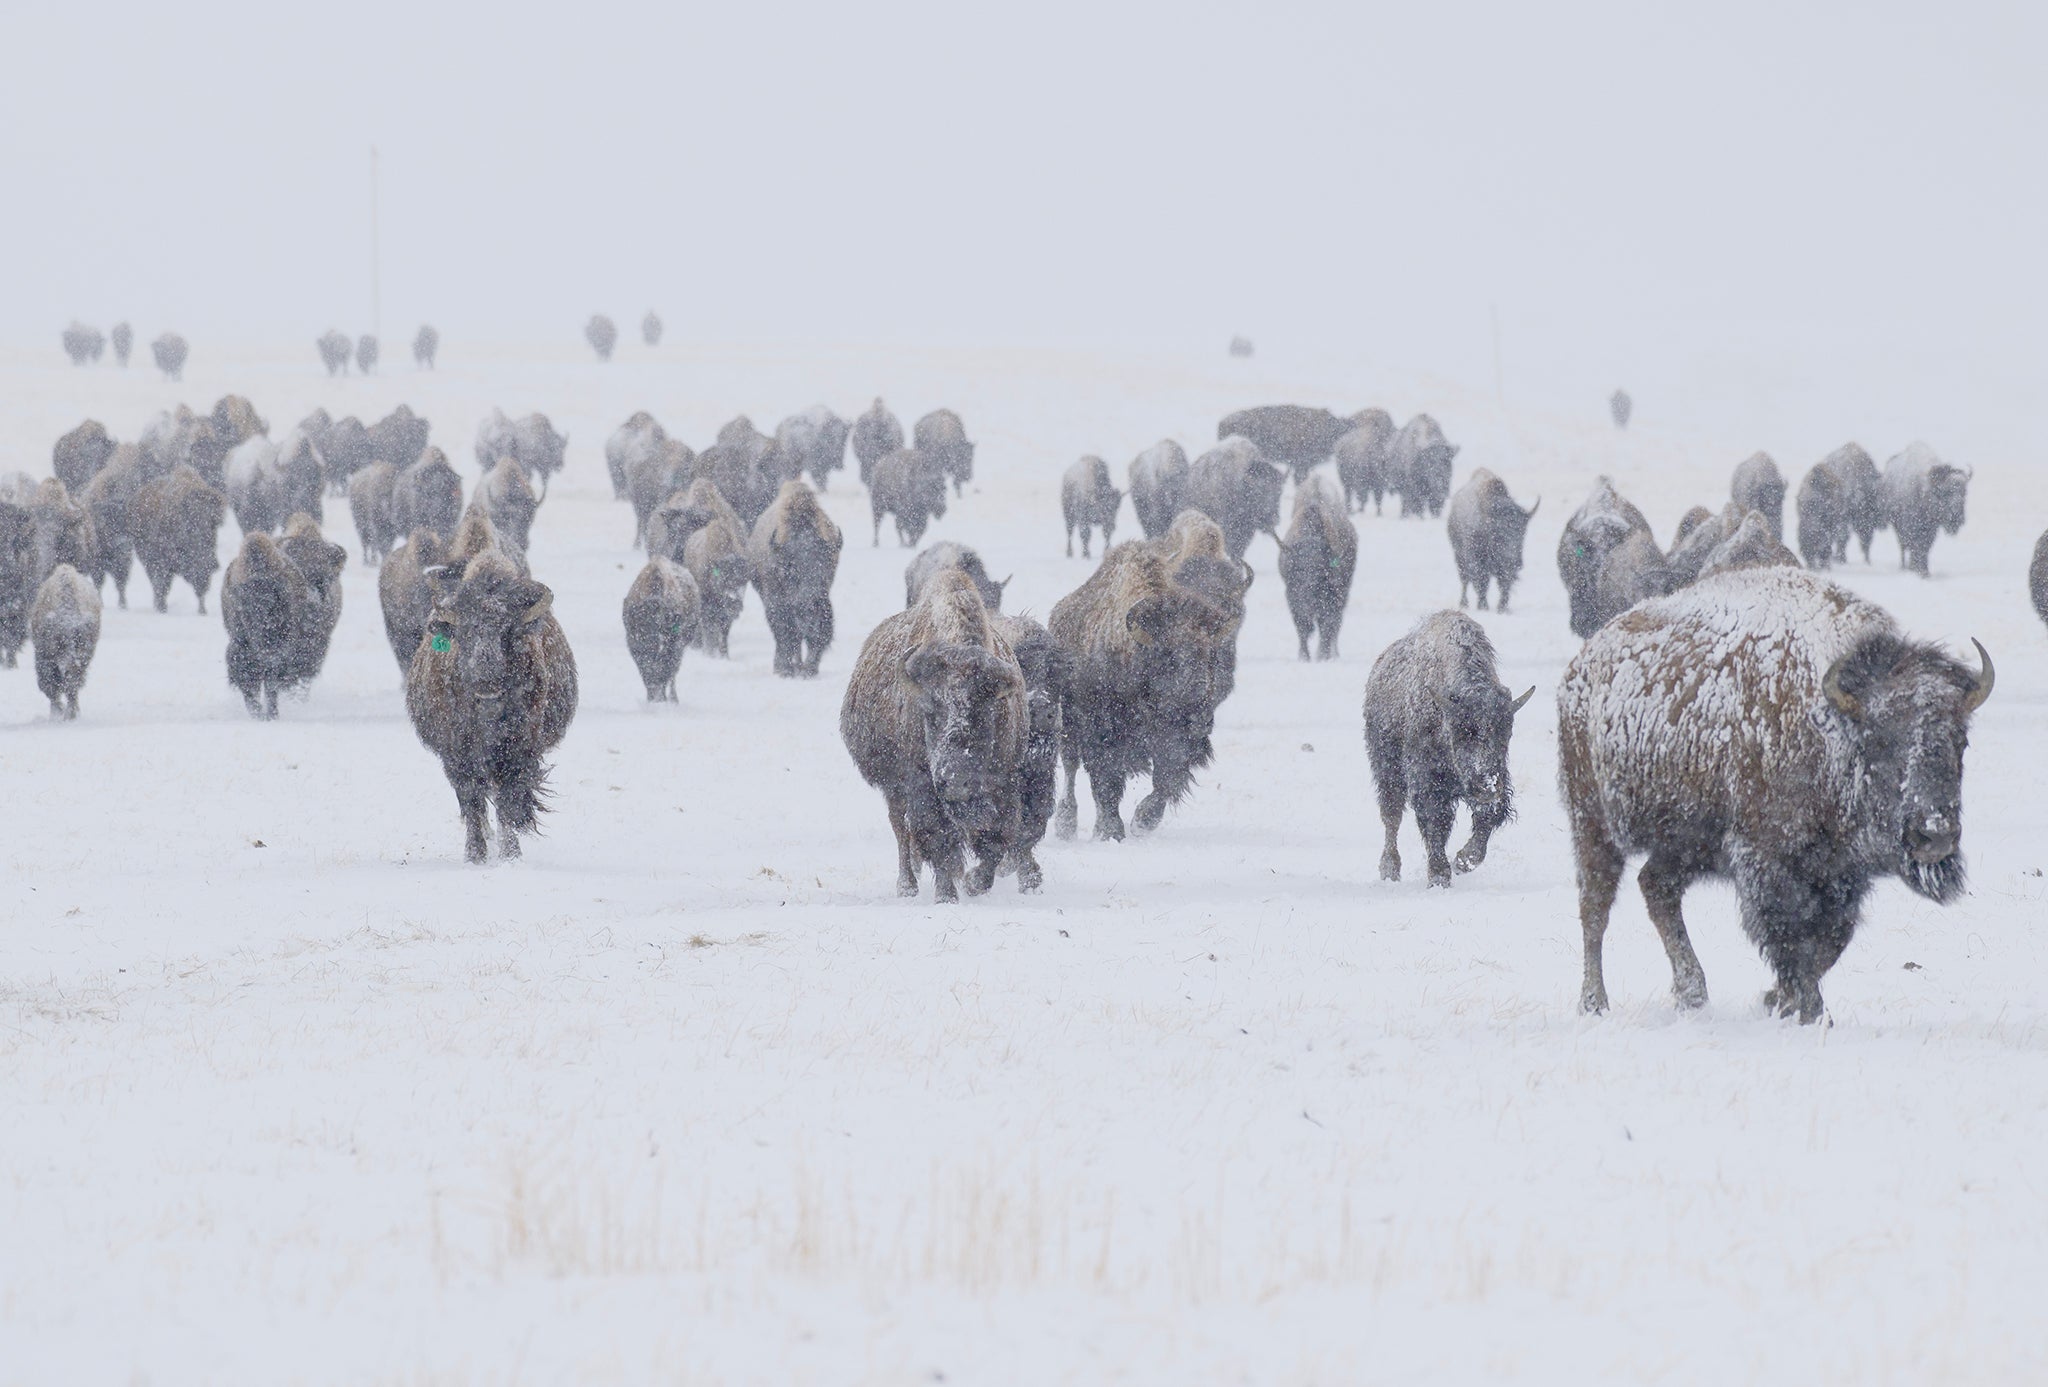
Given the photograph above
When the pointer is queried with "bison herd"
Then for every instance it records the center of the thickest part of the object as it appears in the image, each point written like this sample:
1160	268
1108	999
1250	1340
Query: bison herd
1732	713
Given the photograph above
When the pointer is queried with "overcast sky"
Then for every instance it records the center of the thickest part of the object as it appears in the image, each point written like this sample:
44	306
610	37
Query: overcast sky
1618	179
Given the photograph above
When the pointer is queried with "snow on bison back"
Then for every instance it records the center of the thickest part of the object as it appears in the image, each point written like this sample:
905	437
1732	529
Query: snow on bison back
1766	727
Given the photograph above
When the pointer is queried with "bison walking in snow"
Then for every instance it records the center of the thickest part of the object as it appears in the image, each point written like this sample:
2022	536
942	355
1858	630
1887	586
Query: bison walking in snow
1159	486
1487	529
876	434
815	441
660	613
491	692
1608	559
1089	501
175	523
1365	459
1297	437
602	334
1759	486
1437	725
170	351
794	555
1419	468
1317	560
334	348
1922	496
280	602
935	718
1239	490
911	487
941	437
1767	727
426	345
939	558
64	623
1151	660
79	455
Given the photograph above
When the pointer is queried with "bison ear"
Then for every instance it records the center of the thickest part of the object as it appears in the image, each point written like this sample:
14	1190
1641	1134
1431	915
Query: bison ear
1146	619
923	666
537	599
1831	684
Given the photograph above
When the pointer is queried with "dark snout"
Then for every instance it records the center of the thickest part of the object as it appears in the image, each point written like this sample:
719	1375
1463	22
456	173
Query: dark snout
1933	837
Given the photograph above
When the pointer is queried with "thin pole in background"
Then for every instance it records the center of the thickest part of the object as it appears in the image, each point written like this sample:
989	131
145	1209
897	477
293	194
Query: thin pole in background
376	304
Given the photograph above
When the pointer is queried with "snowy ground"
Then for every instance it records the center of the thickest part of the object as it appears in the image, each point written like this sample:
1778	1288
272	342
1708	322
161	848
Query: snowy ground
292	1095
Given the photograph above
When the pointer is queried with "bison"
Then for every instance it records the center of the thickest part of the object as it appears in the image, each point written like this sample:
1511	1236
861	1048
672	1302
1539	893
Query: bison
637	435
1146	680
366	354
1608	559
1437	726
426	345
876	434
1620	407
1295	436
1759	486
1317	560
64	623
947	556
406	594
2037	577
345	448
507	497
109	499
1823	516
427	496
1365	457
399	438
124	341
602	334
490	692
170	351
1045	669
369	502
660	613
530	441
175	524
235	421
910	486
650	329
1088	501
280	602
62	529
18	579
815	443
267	483
1487	529
83	344
1159	486
941	437
79	455
1419	467
1862	497
935	717
794	555
1769	728
659	468
1239	490
334	351
714	549
1922	495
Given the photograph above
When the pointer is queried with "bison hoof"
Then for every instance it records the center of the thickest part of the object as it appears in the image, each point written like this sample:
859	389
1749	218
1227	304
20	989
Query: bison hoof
1066	823
1390	866
1691	993
946	893
1439	876
475	852
1151	810
1467	859
1029	878
906	886
1593	1000
1109	831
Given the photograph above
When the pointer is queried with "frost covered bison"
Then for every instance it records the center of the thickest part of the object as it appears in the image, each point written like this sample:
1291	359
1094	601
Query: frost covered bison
1766	727
1437	725
935	718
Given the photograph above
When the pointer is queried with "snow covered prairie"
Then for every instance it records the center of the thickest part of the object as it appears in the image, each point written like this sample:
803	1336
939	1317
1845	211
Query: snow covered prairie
291	1095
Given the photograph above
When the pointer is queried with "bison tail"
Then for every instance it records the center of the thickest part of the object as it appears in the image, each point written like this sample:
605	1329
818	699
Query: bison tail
522	798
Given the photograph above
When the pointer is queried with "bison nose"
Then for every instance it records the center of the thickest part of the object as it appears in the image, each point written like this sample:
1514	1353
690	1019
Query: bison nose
1932	840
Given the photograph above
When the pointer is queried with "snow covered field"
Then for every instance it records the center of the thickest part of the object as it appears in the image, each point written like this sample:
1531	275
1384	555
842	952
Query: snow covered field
687	1095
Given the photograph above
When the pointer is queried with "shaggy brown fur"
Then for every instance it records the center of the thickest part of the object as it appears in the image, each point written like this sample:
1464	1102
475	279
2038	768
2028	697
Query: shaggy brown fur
407	594
491	693
63	530
1759	486
794	553
911	487
1159	485
108	499
369	503
1487	529
935	718
175	522
660	613
715	552
79	455
508	498
941	437
656	469
280	603
17	579
1317	560
876	434
64	622
235	421
936	558
1365	459
427	496
1046	670
1089	500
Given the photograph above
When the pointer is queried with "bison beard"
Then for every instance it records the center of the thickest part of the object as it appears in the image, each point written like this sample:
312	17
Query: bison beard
1770	728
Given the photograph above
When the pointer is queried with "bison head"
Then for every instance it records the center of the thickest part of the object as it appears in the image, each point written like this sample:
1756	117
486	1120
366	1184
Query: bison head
963	694
1263	483
481	615
1480	718
1910	706
1946	488
1179	637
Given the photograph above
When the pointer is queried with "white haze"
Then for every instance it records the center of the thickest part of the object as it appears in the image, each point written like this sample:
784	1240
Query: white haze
1818	200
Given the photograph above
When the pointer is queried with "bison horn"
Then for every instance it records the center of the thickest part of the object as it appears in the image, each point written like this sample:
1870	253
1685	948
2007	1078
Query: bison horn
538	609
1831	685
1985	679
1528	694
1005	583
1284	545
1248	576
1530	514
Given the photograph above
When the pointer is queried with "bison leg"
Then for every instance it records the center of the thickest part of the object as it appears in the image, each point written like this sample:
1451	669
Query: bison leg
1599	878
1070	539
1504	584
1486	821
199	588
1030	876
1435	818
1663	885
906	854
1393	797
71	705
470	793
878	526
1108	788
160	588
1066	820
988	857
1327	628
1085	536
1169	784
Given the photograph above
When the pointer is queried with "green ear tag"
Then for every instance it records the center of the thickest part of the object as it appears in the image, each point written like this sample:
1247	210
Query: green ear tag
443	643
